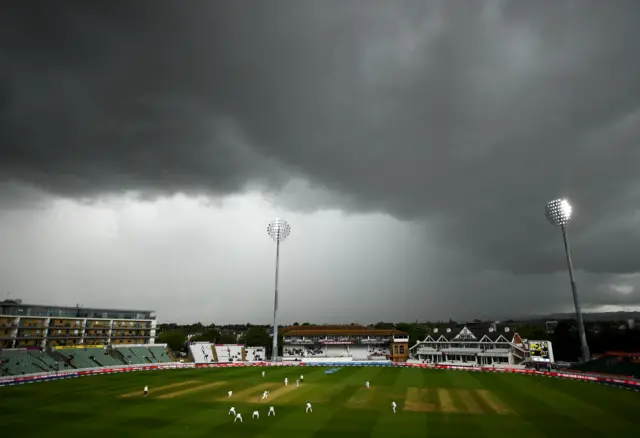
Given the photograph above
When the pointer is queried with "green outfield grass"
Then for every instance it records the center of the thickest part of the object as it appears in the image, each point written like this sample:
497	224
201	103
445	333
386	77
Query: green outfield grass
431	403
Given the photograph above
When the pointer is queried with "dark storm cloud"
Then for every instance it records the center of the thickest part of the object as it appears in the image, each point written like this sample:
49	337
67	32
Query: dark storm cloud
470	115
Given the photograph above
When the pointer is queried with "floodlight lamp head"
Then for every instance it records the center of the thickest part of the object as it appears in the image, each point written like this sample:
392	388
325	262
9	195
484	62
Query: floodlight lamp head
278	229
558	212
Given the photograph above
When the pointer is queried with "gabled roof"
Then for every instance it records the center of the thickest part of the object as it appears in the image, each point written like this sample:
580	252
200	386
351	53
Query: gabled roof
465	335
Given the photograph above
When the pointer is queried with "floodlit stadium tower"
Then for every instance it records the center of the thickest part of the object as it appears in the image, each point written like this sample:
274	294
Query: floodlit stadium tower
558	213
278	229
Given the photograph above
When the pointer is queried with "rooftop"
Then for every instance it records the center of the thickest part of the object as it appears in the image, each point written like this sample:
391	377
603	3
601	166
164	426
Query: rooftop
19	303
338	330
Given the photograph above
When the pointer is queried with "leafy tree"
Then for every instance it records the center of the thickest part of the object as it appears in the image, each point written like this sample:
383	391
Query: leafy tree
175	339
208	336
256	337
227	339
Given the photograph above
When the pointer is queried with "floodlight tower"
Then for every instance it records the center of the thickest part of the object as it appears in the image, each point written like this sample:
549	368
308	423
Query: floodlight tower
278	229
558	213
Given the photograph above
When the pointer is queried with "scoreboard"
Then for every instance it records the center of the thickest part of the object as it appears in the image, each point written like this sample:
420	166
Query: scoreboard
540	351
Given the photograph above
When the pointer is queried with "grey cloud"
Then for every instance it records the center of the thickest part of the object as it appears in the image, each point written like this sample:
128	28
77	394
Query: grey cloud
468	115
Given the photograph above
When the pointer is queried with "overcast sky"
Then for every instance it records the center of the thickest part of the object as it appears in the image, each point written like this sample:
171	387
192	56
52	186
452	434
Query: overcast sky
411	145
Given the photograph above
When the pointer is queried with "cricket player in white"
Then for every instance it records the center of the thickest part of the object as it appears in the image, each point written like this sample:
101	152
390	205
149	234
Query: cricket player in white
238	417
271	411
301	378
232	411
286	381
230	394
297	382
265	394
256	415
367	384
263	374
146	390
393	406
308	408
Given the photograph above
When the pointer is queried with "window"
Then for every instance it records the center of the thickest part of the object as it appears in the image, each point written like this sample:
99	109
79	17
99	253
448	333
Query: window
402	349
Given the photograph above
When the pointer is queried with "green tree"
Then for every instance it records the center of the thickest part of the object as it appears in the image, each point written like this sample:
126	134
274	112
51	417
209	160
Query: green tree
227	339
175	339
256	337
207	336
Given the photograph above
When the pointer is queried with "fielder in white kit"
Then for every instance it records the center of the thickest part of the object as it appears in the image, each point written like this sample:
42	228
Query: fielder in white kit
393	406
230	394
265	394
271	411
232	411
308	408
238	417
256	415
286	381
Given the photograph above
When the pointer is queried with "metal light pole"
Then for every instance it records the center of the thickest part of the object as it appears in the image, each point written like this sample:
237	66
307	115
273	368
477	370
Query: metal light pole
558	213
278	229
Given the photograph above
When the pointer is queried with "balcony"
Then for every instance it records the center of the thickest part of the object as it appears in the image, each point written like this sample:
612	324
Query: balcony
63	335
427	350
30	336
33	326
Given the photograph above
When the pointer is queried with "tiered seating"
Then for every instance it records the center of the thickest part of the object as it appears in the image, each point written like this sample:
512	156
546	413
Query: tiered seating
623	366
16	362
161	354
143	354
235	353
293	352
85	357
201	352
223	353
256	354
130	356
359	352
337	351
380	352
311	351
107	360
43	359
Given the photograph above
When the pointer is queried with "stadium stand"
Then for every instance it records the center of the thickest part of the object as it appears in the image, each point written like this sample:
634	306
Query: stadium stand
344	343
223	353
23	361
236	353
143	354
16	362
201	352
86	357
337	351
161	354
623	364
255	354
359	352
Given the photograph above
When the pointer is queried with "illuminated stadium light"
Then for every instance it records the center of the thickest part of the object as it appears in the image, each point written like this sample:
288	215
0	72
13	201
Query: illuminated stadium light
279	230
558	213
